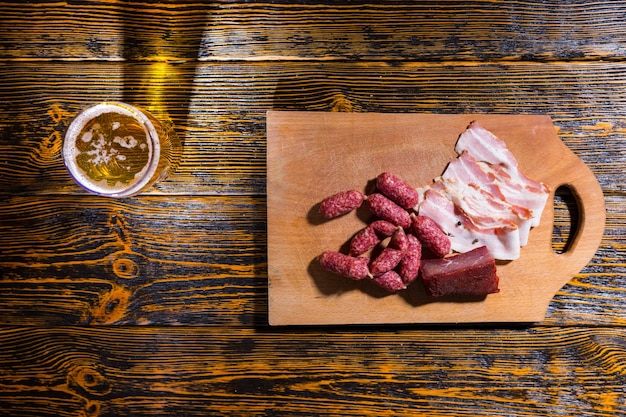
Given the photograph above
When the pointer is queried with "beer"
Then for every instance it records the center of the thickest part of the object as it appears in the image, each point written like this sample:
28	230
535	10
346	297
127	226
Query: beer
118	150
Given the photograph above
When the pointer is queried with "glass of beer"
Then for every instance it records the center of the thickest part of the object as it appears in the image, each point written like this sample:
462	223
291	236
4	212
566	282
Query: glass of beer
114	149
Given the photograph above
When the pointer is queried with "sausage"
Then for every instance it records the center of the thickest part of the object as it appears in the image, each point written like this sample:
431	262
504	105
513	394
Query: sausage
386	209
431	236
383	228
385	261
363	241
355	268
397	190
399	240
409	266
341	203
390	281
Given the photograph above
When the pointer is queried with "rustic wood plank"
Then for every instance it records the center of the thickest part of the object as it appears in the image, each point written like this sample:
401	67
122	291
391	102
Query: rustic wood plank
606	270
192	252
220	110
219	371
225	146
385	30
140	261
201	260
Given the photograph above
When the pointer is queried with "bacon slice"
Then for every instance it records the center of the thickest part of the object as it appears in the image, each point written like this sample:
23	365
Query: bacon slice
484	146
502	239
485	211
481	194
517	193
482	198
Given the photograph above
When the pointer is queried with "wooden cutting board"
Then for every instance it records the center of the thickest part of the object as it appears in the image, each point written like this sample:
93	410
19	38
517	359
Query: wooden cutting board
311	155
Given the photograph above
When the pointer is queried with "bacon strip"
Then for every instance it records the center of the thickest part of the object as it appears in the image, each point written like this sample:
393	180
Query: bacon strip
477	190
482	198
502	240
486	147
519	194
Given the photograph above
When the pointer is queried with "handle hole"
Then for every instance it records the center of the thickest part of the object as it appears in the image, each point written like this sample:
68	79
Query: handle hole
566	219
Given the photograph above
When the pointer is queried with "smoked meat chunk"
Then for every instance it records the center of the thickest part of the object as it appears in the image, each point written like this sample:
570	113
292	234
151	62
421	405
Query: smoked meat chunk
471	273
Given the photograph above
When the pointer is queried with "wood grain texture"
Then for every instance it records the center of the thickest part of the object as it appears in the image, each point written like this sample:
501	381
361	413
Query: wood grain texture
168	291
304	30
219	110
224	133
139	261
369	372
201	260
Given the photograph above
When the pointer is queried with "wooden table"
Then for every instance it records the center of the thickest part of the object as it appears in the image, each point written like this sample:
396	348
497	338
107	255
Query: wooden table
157	304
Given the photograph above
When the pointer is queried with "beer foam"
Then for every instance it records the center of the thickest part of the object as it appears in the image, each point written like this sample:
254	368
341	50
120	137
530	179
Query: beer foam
100	154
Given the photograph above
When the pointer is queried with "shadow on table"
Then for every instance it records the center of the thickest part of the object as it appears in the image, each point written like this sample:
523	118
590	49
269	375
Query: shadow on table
160	59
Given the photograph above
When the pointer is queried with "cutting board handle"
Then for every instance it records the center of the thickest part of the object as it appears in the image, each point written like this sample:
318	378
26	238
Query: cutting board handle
587	233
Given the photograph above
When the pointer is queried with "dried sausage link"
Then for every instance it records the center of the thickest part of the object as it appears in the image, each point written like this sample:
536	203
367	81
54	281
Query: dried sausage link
341	203
399	240
431	236
363	241
385	261
383	228
397	190
409	266
348	266
390	281
387	210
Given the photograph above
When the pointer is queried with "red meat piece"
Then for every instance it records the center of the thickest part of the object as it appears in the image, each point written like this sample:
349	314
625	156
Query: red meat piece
471	273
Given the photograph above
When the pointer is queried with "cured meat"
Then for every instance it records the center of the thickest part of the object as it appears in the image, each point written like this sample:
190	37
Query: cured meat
502	240
408	268
383	228
471	273
488	148
390	281
496	180
347	266
399	240
431	235
388	259
485	146
386	209
483	208
518	194
341	203
363	241
397	190
482	198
